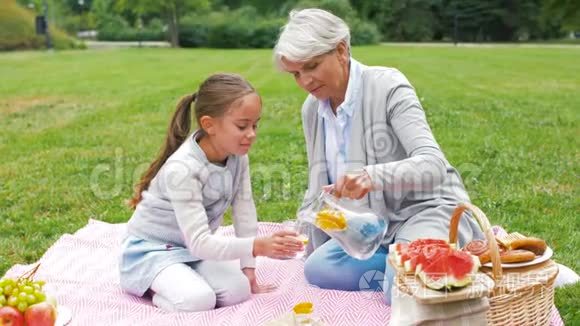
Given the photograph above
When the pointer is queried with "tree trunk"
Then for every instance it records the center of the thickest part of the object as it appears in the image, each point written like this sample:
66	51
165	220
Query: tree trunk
173	27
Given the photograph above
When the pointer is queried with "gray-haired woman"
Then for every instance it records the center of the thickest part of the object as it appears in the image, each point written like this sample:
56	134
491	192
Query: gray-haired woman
366	136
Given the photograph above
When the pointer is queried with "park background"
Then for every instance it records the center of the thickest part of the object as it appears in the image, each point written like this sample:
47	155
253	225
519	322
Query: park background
498	80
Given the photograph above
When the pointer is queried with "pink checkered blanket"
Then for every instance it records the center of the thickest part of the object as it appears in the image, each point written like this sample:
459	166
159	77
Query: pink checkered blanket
81	272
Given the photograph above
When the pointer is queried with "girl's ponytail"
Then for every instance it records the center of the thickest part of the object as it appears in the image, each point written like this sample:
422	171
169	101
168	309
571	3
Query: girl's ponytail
177	132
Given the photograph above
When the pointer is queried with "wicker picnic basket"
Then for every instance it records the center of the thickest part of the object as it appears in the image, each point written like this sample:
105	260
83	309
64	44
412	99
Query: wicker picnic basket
520	296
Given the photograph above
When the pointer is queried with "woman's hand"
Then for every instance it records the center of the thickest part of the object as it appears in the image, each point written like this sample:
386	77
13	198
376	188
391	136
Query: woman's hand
282	244
254	286
353	185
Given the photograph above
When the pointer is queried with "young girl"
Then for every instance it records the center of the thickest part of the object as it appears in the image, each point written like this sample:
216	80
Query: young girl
171	248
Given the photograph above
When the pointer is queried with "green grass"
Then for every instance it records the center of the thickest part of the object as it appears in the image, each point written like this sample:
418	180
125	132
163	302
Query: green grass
77	128
563	41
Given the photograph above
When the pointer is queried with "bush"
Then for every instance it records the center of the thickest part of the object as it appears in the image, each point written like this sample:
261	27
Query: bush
232	34
229	29
193	32
340	8
130	34
61	41
266	33
361	33
364	33
234	30
17	30
245	28
115	28
72	24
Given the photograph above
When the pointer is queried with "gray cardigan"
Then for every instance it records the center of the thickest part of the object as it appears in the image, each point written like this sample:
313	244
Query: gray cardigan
392	141
186	201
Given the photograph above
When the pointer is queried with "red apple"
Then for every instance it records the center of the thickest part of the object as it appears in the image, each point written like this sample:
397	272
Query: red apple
10	316
40	314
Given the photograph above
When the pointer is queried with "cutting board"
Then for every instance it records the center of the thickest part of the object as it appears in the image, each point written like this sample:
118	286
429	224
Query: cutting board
481	286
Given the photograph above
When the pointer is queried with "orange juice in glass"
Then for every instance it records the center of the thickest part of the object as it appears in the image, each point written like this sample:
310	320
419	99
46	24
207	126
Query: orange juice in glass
300	229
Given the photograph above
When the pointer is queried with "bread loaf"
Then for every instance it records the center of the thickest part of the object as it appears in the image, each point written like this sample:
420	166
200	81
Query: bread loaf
509	256
535	245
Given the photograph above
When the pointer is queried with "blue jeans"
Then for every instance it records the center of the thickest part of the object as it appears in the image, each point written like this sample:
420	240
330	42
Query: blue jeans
330	267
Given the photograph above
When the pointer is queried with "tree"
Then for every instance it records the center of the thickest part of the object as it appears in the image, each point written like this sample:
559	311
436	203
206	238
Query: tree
170	10
264	7
405	20
493	20
340	8
568	11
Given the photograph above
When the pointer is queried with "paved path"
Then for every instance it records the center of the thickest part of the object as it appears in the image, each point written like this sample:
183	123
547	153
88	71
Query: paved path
123	44
150	44
485	45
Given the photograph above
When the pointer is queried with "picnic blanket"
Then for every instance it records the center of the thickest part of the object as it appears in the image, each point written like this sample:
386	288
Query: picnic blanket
81	271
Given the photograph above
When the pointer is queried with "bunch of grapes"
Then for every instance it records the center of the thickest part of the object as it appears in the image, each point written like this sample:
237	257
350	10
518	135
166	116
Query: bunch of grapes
21	293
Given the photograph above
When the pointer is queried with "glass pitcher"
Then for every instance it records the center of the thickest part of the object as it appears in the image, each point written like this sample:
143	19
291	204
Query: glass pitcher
357	229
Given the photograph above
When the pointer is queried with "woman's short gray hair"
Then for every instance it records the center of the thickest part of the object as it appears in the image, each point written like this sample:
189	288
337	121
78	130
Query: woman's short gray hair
308	33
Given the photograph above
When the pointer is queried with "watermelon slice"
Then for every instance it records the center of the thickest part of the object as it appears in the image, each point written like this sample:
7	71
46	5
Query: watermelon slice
411	256
424	257
449	269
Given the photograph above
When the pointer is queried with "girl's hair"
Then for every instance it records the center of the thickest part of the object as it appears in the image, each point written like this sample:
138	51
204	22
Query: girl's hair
214	97
309	33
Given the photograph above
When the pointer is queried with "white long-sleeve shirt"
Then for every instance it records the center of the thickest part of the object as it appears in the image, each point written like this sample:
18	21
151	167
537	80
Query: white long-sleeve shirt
337	127
186	202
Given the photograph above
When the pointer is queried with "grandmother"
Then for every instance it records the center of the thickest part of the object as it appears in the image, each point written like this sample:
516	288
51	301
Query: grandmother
367	139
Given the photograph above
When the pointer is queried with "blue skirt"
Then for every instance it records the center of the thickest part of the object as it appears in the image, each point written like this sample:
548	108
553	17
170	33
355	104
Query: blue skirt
142	260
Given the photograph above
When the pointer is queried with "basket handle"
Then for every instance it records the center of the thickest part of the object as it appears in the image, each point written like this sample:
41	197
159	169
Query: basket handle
486	228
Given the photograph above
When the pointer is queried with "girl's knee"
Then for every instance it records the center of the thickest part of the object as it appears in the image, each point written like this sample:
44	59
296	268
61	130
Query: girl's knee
234	292
202	299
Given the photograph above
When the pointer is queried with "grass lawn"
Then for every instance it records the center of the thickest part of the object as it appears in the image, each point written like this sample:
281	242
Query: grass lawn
78	128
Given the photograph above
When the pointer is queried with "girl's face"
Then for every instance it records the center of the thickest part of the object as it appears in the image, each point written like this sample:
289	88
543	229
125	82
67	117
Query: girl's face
235	132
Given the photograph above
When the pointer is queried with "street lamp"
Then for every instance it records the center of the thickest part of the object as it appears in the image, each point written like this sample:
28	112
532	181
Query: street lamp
81	5
42	24
47	33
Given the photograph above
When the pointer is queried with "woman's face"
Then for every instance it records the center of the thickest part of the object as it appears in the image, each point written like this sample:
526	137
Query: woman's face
323	76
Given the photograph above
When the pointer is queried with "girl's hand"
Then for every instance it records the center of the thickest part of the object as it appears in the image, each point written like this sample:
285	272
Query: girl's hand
257	288
282	244
353	185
